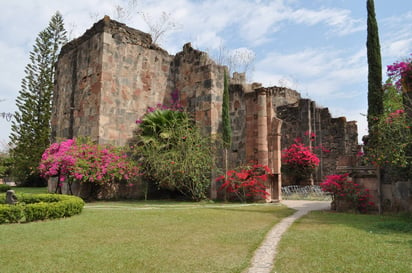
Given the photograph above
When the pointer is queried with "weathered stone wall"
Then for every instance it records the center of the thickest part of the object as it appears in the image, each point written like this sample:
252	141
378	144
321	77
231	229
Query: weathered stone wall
135	76
237	109
255	131
76	100
111	75
397	196
199	82
107	78
282	96
300	117
334	137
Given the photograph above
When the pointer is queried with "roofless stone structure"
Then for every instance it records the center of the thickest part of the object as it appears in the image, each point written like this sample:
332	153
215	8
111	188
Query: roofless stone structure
106	79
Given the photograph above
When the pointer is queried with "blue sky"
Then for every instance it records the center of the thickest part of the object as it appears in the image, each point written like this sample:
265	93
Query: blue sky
316	47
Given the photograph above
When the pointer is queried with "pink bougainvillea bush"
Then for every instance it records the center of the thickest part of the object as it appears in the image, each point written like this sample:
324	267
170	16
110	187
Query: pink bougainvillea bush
246	183
72	161
346	194
298	161
401	73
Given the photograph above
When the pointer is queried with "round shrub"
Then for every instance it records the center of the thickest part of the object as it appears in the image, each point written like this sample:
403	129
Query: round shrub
4	187
34	207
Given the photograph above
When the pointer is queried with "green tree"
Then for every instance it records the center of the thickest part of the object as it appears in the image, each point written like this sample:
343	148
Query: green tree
173	154
375	90
227	130
5	165
31	125
393	135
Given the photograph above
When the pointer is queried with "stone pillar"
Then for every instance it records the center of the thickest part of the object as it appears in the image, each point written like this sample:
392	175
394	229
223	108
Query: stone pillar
275	159
265	155
262	129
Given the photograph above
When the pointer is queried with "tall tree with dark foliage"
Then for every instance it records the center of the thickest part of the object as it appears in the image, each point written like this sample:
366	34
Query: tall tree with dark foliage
31	125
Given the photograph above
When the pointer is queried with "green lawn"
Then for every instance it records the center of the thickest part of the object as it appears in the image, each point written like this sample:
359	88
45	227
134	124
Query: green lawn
338	242
30	189
141	237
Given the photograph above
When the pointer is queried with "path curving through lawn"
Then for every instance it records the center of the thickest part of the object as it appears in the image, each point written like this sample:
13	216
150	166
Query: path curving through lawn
264	257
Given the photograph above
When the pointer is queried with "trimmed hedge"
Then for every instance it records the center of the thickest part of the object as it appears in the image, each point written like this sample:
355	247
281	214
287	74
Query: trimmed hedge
34	207
4	187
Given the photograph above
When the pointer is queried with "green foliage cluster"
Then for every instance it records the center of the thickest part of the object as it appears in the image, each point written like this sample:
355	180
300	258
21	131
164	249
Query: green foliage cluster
5	165
392	136
392	98
4	187
33	207
31	124
173	154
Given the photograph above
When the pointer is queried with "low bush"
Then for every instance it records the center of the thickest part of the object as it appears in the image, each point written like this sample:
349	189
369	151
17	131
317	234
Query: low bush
11	213
347	195
4	187
247	183
34	207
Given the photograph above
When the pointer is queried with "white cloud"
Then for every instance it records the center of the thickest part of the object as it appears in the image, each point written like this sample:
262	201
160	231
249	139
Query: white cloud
208	39
399	47
315	63
12	74
324	69
396	38
340	20
333	79
263	20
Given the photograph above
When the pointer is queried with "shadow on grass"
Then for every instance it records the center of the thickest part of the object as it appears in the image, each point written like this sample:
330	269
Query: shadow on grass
401	225
264	208
376	224
281	211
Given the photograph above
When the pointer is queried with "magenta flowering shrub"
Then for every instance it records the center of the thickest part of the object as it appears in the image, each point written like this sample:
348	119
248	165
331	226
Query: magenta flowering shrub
70	161
353	195
246	183
57	160
299	161
400	72
392	130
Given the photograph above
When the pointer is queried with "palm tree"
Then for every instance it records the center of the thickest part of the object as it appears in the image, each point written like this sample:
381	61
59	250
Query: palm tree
157	127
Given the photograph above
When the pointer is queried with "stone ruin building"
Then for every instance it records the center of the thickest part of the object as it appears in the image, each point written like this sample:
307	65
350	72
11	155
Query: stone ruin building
106	79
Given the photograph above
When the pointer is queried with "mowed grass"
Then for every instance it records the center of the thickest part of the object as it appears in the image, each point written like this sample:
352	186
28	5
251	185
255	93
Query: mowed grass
141	237
33	190
339	242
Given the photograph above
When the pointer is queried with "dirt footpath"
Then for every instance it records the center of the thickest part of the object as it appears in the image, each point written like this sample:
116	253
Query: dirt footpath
263	259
